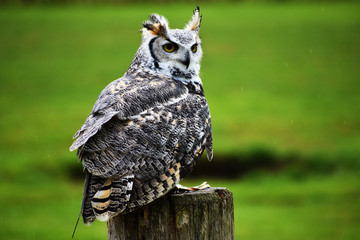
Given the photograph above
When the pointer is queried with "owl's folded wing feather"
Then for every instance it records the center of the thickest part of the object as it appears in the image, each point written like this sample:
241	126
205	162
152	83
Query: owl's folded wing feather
152	142
125	98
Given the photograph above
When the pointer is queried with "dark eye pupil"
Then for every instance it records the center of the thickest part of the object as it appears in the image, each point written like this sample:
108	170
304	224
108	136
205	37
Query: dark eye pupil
170	47
194	48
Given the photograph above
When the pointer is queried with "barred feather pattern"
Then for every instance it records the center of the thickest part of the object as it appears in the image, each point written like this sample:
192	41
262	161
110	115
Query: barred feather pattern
104	198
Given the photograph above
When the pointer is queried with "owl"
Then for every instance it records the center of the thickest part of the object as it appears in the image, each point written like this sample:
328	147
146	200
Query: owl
148	128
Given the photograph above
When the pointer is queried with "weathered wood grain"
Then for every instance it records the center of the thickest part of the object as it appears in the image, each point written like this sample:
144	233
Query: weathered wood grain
204	214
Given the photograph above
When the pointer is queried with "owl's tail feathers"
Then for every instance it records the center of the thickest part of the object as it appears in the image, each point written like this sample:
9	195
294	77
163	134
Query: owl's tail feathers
91	184
88	220
105	198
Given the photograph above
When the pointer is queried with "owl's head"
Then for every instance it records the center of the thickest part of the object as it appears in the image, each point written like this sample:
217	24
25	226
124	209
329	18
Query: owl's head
172	52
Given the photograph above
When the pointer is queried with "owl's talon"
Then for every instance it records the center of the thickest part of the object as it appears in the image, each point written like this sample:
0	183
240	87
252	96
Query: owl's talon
202	186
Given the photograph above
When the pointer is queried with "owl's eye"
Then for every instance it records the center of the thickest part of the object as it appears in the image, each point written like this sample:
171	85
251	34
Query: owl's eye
194	48
169	47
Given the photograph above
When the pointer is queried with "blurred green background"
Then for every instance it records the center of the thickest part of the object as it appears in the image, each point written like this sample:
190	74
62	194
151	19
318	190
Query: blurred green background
281	79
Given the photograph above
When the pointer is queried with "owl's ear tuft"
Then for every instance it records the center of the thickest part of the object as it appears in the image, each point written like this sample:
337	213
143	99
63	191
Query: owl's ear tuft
156	25
194	24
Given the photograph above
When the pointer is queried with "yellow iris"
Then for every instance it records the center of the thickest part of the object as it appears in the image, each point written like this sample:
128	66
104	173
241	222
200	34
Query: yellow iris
169	47
194	48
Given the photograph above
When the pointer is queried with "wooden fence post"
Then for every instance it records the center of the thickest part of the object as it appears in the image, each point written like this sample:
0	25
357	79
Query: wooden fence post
204	214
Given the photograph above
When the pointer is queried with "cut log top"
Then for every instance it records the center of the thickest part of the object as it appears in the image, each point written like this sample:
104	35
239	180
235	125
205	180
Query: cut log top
203	214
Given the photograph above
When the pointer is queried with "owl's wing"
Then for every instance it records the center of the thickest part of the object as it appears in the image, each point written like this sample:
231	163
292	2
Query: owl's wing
127	97
142	136
133	162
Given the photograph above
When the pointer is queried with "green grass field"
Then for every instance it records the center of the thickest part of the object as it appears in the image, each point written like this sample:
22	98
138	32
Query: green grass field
280	77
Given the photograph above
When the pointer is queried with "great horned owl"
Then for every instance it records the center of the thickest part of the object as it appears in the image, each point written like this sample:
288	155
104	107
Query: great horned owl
148	128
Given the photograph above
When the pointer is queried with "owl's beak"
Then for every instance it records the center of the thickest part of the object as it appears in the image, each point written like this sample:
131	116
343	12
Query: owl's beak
186	61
